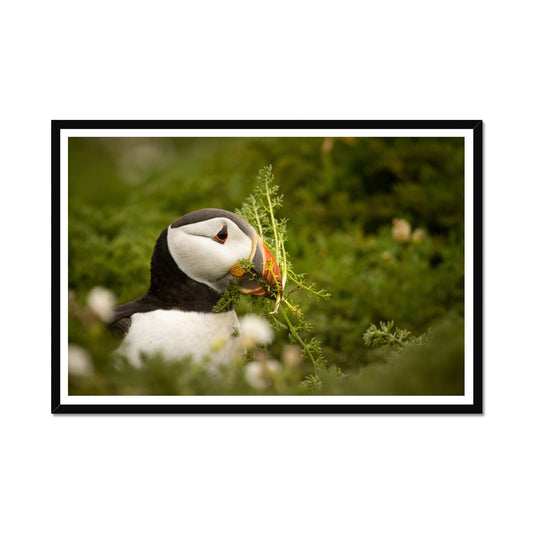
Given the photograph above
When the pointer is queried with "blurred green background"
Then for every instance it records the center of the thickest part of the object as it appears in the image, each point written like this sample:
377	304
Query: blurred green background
340	196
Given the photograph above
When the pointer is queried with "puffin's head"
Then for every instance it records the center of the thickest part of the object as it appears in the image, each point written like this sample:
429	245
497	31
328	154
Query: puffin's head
208	244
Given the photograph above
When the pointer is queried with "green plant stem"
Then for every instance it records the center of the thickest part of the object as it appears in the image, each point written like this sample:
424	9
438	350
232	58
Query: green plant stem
280	250
256	215
296	336
319	294
397	341
272	219
283	266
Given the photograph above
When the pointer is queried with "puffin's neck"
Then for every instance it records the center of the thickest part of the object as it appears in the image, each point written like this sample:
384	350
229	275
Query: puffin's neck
171	288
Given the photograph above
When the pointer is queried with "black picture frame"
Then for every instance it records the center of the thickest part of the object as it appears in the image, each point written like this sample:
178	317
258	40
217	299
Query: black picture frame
473	406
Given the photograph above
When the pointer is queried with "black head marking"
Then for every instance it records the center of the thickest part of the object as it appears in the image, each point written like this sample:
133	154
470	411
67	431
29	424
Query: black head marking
208	213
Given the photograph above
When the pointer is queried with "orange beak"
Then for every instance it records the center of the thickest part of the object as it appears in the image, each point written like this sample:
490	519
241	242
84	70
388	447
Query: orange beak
267	281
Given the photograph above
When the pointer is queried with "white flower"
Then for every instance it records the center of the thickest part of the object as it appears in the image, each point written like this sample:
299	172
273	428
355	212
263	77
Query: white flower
101	302
259	374
254	331
291	356
401	230
327	145
418	235
79	361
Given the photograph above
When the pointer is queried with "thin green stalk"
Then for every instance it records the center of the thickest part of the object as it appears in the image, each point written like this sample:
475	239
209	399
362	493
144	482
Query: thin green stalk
280	255
296	336
256	215
307	288
272	219
283	265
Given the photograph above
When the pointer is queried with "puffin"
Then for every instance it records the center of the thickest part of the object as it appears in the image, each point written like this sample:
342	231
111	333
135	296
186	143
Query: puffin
194	260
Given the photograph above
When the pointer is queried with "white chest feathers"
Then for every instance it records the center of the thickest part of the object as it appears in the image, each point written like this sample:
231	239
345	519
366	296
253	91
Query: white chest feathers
178	334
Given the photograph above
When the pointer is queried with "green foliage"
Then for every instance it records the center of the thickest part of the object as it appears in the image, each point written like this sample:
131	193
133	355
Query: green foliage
230	297
433	365
336	199
394	338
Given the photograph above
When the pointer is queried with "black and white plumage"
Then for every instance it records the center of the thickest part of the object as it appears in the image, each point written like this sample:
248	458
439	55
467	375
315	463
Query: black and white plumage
193	262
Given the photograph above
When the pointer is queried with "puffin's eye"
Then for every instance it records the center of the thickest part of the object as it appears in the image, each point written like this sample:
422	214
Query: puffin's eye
222	235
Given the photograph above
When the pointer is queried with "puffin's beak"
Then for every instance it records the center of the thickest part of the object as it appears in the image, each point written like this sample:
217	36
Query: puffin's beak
268	281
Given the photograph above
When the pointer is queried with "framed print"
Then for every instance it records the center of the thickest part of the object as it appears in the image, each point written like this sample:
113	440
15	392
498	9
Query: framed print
267	266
